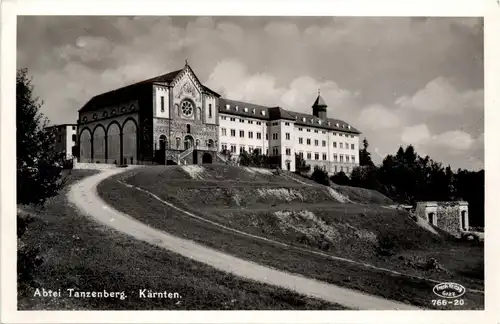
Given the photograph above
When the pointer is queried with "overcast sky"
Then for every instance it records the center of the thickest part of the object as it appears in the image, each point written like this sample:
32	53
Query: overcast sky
399	80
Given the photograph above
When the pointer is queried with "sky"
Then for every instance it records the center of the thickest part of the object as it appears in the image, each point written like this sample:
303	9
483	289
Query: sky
399	80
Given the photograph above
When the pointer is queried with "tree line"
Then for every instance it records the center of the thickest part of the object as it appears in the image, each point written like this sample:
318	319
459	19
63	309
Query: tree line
407	177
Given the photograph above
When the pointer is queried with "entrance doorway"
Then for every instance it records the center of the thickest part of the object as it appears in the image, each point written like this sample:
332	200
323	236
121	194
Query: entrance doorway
188	142
464	223
206	158
288	166
432	218
162	150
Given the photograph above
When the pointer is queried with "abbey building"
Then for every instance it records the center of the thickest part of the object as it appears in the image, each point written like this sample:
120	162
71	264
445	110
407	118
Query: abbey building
174	119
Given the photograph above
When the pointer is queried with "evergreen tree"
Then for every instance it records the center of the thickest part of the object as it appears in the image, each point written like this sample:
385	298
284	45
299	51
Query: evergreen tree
39	167
320	176
301	167
245	159
364	155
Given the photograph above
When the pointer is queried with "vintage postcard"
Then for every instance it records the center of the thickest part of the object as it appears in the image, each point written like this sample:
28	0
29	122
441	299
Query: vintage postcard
319	163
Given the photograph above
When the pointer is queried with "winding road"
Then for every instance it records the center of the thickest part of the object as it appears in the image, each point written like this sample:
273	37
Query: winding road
83	195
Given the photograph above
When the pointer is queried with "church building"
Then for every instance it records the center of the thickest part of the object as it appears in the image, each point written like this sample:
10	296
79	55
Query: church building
175	119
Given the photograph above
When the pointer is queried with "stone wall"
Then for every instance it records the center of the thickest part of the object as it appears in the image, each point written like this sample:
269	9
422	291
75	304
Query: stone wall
177	128
447	215
198	156
449	219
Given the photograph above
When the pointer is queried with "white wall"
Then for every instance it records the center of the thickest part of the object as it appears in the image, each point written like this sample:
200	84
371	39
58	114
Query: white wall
281	127
160	92
313	134
70	131
210	101
287	126
332	147
246	142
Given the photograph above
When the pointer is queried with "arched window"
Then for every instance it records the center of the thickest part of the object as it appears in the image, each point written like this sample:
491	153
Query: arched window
188	129
197	142
177	142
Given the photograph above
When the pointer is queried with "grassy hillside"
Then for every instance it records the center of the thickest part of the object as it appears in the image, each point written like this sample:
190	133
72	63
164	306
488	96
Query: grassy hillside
82	254
304	215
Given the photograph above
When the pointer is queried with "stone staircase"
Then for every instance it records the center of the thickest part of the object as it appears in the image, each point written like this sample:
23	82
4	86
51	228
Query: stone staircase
184	154
222	157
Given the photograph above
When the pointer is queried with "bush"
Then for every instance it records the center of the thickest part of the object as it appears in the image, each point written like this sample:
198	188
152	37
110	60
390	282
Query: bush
28	261
341	179
28	257
386	244
320	176
68	164
253	159
300	165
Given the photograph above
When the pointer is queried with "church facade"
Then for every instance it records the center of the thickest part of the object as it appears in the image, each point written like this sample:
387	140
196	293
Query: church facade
175	119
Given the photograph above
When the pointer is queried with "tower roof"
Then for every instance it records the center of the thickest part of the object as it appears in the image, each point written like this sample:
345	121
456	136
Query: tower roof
319	102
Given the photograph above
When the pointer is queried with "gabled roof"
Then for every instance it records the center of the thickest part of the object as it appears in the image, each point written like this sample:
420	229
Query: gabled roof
237	108
110	97
168	77
328	123
246	109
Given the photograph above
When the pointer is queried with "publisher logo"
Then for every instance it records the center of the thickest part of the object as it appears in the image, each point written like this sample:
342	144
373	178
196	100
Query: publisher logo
449	290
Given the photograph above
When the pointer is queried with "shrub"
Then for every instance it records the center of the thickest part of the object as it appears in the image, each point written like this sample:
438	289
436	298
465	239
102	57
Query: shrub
341	179
68	164
300	165
386	244
28	261
320	176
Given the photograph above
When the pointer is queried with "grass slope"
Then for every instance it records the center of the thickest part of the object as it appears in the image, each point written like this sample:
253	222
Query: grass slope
80	253
306	216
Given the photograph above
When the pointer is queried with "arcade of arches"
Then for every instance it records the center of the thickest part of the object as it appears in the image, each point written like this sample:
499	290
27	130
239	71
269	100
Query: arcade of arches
115	144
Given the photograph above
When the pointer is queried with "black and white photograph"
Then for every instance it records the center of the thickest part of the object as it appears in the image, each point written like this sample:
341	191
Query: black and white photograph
224	162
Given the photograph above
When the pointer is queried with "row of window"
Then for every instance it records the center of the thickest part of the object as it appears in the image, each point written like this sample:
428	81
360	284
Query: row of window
245	109
324	132
233	119
342	169
242	133
251	149
336	157
105	114
277	123
323	143
242	120
287	137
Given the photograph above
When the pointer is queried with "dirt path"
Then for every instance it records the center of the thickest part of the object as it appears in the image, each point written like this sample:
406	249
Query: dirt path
84	195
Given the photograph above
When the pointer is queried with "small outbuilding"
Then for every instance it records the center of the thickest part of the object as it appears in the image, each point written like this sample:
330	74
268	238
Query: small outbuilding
449	216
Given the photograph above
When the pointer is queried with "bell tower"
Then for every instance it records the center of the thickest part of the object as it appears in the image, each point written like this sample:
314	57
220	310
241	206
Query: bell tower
319	107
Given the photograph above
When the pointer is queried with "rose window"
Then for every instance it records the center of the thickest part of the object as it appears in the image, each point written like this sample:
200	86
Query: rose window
187	108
